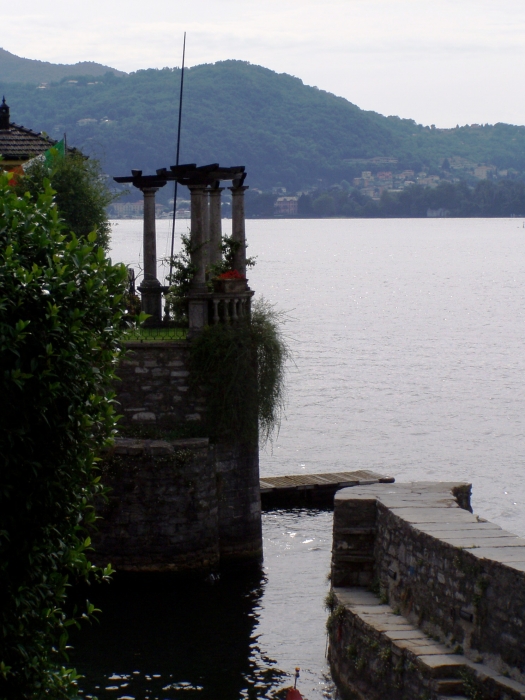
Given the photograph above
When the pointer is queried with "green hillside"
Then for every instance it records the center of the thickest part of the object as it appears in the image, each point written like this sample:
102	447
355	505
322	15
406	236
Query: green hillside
237	113
15	69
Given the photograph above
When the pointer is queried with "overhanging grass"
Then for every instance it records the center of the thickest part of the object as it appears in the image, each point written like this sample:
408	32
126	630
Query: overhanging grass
152	334
241	369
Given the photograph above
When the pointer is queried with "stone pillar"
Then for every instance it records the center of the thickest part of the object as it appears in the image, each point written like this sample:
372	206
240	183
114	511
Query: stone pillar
198	236
206	227
215	251
198	296
150	288
238	227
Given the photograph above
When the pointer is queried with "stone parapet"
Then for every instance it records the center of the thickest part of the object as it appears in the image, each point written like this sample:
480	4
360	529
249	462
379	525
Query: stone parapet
449	573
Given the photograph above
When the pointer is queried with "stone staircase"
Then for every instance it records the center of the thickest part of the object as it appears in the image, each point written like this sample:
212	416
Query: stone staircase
384	652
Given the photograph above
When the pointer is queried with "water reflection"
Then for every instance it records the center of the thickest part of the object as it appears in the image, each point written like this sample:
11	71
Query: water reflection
240	636
162	637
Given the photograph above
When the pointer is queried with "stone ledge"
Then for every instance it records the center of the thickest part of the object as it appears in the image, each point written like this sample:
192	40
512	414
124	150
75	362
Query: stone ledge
155	344
373	647
136	446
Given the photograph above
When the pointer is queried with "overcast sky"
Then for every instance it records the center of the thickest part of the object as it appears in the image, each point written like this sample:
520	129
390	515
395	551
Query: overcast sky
442	62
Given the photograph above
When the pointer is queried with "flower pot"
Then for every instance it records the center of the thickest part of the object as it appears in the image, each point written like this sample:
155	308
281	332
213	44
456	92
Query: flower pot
232	286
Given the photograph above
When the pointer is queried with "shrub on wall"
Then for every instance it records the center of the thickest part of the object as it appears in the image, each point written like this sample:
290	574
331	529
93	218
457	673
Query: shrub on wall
60	308
242	369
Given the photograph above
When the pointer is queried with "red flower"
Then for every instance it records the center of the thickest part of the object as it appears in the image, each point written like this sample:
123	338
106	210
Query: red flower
231	275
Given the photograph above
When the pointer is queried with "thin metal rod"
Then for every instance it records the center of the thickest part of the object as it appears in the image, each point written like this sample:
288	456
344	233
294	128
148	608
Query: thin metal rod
178	153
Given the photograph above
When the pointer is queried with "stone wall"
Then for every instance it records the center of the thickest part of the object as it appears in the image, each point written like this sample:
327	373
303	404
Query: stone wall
174	504
450	574
161	513
154	386
239	501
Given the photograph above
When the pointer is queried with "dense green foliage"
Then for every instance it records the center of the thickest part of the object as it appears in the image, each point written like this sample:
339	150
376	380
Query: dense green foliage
237	113
486	199
242	370
26	70
60	307
81	193
181	275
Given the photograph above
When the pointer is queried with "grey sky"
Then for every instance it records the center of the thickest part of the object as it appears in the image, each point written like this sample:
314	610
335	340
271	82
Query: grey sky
437	61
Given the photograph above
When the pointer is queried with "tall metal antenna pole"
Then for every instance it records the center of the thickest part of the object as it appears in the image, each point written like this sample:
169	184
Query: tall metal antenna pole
178	153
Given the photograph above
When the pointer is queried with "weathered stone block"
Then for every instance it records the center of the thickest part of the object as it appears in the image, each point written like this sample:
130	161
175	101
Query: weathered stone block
144	417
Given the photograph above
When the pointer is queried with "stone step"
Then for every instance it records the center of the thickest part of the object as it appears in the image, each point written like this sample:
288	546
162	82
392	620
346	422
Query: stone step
436	662
448	687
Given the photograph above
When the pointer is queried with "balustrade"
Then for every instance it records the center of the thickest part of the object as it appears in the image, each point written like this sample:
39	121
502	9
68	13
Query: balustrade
230	308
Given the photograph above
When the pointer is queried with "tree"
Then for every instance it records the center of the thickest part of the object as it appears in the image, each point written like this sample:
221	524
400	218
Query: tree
60	308
324	205
81	193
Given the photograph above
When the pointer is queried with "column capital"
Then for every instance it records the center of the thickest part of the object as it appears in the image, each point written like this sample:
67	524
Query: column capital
238	190
149	191
216	190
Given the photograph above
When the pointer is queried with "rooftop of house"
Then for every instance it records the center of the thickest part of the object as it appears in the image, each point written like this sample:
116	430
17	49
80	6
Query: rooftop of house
18	143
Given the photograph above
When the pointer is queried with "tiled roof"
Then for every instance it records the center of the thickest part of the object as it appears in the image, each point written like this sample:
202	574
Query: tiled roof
19	143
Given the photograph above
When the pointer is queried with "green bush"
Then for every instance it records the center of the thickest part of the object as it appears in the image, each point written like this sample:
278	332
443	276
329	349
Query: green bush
242	370
60	308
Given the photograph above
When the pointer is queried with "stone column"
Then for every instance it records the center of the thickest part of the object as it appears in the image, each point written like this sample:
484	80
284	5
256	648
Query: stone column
215	251
198	236
206	227
198	296
150	288
238	227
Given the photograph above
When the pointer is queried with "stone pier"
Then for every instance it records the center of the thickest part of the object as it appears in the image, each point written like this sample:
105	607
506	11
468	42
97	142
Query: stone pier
427	598
191	504
175	504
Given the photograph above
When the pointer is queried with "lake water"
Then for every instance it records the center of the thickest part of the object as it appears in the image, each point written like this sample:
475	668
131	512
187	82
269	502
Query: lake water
407	339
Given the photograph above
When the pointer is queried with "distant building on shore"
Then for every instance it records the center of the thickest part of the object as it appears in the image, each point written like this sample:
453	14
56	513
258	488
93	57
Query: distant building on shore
286	206
127	210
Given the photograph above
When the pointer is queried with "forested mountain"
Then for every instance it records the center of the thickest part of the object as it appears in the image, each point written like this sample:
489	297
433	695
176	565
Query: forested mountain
237	113
15	69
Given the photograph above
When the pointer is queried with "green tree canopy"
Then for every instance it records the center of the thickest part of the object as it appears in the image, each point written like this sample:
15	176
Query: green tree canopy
235	112
81	193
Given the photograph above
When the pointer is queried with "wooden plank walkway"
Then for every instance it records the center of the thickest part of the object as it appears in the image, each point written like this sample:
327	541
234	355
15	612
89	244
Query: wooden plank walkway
316	490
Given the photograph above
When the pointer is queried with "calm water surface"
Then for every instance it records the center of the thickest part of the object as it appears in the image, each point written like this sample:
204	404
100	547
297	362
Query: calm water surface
407	337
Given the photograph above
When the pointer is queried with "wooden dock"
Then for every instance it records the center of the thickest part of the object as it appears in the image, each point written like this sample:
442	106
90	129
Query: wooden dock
313	490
